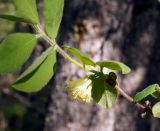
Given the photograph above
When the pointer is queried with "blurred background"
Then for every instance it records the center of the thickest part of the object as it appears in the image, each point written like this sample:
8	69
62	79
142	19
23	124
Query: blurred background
125	30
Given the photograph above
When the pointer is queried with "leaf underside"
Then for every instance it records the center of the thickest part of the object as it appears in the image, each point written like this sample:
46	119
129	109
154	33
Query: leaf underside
38	74
114	65
14	18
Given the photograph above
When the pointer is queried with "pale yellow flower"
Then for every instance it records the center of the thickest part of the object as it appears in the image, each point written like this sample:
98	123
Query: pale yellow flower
80	89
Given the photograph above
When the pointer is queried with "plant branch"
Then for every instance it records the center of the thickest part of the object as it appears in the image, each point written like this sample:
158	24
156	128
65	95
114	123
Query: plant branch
129	98
68	57
58	48
65	55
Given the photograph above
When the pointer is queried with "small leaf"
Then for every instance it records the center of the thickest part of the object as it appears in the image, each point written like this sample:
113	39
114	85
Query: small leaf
156	110
27	9
15	50
14	18
157	93
53	12
86	60
104	94
147	91
38	74
114	65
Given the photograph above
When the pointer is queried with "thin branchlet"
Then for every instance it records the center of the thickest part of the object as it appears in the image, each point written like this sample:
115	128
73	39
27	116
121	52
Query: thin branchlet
52	42
144	107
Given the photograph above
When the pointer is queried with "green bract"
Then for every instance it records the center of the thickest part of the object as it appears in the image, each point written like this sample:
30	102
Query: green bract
103	93
15	50
114	65
38	74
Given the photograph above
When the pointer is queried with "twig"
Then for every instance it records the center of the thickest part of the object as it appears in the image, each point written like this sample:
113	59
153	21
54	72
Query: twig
130	99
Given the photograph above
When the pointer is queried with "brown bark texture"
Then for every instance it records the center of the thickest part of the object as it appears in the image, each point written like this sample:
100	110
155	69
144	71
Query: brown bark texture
124	30
107	29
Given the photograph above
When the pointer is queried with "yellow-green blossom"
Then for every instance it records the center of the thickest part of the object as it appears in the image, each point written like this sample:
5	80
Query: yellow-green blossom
80	89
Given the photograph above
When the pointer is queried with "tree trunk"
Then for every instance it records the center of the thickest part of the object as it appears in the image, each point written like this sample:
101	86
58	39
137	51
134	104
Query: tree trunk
125	30
121	30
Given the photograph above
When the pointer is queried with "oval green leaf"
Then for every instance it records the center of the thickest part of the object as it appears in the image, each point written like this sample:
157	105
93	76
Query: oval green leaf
114	65
15	50
104	94
53	12
146	92
84	58
38	74
27	9
156	110
14	18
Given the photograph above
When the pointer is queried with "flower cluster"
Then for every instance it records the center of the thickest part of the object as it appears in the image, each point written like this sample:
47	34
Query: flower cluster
80	89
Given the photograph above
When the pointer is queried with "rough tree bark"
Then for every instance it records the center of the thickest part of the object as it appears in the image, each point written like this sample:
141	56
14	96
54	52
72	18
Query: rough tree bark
107	29
126	30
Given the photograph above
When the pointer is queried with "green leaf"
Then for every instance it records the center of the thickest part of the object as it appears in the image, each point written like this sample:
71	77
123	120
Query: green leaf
53	12
147	91
14	18
104	94
84	58
38	74
15	50
156	110
157	93
27	9
114	65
